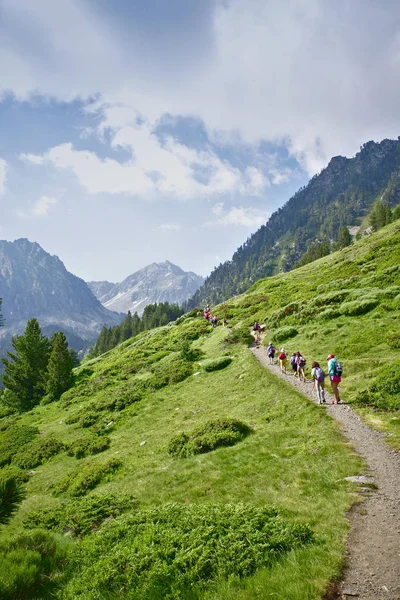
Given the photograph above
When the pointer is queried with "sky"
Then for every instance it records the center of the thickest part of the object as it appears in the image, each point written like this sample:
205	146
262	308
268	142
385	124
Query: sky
134	132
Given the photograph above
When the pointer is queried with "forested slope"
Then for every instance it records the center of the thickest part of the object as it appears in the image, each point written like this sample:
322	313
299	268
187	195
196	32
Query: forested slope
341	195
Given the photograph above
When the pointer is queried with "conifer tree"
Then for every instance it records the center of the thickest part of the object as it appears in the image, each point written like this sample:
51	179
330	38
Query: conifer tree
59	370
25	371
344	237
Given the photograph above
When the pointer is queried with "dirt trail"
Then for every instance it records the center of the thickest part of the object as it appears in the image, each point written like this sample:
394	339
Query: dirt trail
372	569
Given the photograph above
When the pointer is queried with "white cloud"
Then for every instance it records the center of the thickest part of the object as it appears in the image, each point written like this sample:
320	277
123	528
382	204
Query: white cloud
3	175
39	209
318	77
168	167
245	217
168	227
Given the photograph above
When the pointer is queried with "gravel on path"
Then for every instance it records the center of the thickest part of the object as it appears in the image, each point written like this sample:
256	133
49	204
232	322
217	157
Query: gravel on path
372	569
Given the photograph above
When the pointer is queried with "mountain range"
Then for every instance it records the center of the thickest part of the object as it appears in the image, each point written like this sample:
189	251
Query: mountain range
158	282
340	196
34	283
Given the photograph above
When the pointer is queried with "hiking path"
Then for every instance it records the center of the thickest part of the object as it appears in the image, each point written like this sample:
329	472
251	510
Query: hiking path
372	565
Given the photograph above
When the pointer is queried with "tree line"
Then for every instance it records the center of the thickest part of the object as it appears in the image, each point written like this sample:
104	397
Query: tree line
154	315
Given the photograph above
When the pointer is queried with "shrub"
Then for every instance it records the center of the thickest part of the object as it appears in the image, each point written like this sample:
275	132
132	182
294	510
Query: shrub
170	371
284	333
208	437
80	516
394	340
13	472
85	478
88	445
216	364
128	394
14	439
177	550
358	307
37	452
240	335
328	314
384	393
30	565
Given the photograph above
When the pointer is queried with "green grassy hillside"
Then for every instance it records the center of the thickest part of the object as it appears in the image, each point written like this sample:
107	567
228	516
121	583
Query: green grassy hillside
178	467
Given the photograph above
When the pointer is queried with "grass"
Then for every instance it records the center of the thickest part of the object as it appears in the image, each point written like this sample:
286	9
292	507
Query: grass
130	402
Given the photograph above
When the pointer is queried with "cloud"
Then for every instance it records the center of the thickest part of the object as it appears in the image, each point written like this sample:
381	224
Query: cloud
245	217
39	209
166	167
319	78
3	175
168	227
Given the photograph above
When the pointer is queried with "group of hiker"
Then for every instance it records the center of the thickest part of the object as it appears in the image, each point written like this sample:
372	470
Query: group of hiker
213	319
318	375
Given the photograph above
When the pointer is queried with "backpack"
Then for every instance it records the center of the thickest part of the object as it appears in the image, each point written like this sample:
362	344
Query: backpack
293	360
319	374
338	369
302	361
282	356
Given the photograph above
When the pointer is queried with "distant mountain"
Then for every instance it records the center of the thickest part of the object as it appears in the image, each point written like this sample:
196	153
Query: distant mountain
158	282
341	195
35	284
100	288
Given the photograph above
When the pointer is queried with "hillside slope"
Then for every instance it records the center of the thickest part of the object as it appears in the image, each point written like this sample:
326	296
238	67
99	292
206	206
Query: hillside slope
341	195
184	414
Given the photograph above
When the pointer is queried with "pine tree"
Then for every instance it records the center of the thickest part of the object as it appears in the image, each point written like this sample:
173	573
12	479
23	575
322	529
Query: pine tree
59	370
25	374
344	237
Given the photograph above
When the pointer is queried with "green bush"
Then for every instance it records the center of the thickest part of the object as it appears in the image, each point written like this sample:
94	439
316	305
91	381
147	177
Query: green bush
358	307
170	371
282	334
12	472
80	516
85	478
208	437
176	551
394	340
13	440
37	452
31	564
328	314
88	445
240	335
216	364
384	393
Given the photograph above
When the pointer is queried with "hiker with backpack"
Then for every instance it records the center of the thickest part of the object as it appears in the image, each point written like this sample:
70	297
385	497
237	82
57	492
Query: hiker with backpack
301	364
335	371
319	381
271	353
293	362
257	332
282	360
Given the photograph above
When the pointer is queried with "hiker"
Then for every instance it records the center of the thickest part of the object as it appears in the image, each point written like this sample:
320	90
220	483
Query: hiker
224	322
282	360
214	321
301	364
335	375
271	353
293	362
257	332
319	381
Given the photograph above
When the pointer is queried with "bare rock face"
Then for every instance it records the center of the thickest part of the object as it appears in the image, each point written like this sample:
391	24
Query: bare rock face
35	284
158	282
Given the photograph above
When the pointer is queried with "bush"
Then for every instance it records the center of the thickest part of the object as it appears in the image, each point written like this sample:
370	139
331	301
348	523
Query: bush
37	452
394	340
85	478
358	307
282	334
13	472
30	564
88	445
216	364
177	550
240	335
328	314
384	393
170	371
80	516
13	440
208	437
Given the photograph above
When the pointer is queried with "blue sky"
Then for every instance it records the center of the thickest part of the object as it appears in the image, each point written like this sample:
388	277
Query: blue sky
134	132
